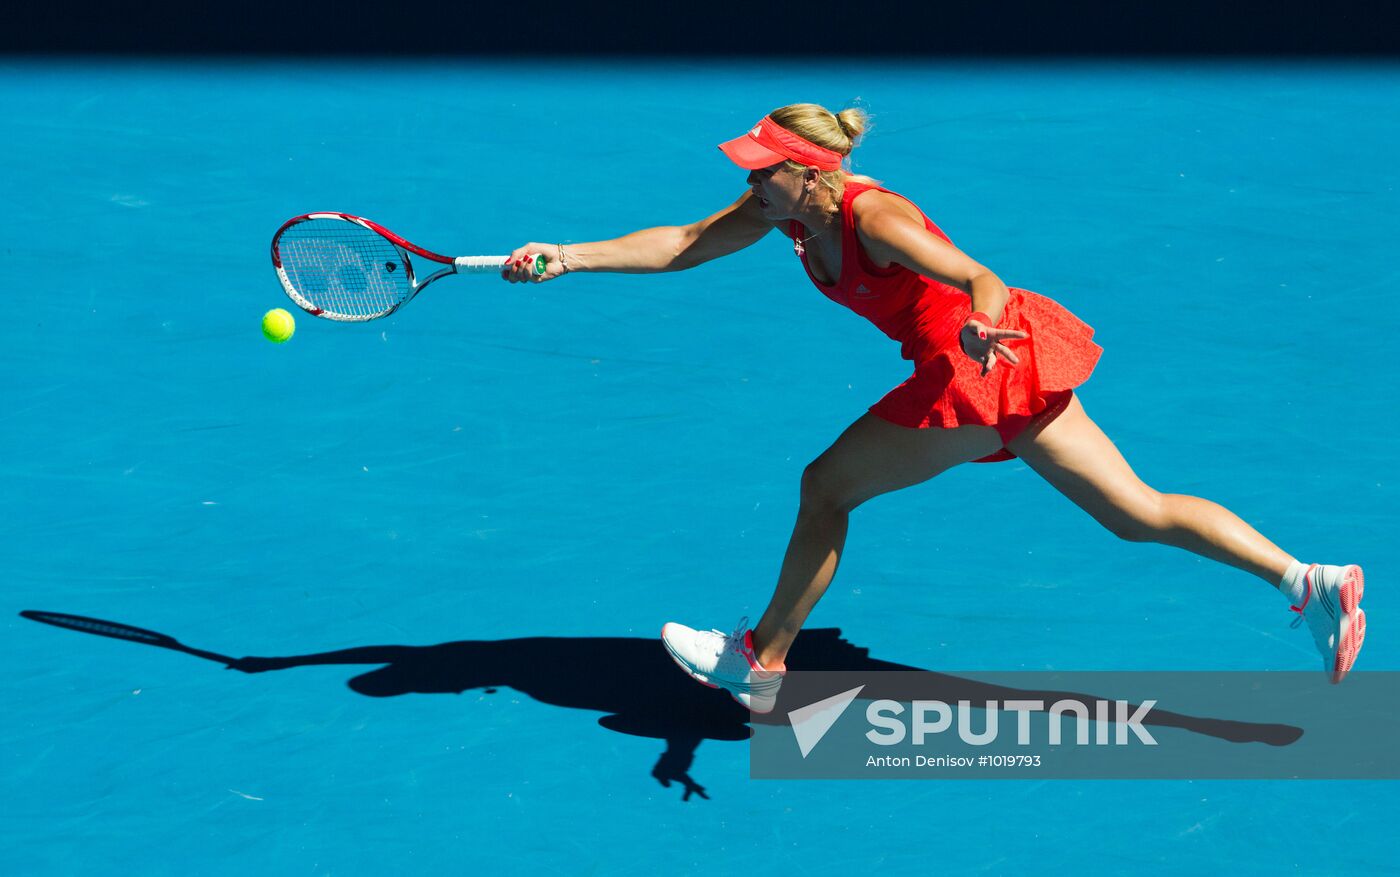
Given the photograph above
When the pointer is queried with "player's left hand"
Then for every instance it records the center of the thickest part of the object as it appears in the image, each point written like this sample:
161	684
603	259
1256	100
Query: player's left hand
985	344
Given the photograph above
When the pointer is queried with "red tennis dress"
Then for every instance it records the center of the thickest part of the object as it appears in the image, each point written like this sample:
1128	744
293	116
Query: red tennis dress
925	317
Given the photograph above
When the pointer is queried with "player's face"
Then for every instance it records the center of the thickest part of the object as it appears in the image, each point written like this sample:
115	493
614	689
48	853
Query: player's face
780	191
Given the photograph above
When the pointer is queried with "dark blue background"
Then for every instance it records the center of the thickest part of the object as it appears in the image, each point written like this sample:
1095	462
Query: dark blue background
823	30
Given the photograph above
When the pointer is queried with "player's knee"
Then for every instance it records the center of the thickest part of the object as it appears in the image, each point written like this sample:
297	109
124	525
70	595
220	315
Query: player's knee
1143	521
822	489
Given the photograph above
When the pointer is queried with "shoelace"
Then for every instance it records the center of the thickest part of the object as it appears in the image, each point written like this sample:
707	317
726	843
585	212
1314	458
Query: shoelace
733	640
736	640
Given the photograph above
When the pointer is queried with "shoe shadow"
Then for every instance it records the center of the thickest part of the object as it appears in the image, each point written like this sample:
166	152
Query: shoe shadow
654	699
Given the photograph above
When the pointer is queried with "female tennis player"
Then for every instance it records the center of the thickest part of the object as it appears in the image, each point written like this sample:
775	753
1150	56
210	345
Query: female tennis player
995	369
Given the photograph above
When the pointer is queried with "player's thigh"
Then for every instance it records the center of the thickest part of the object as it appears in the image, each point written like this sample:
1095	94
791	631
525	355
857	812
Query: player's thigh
874	456
1074	455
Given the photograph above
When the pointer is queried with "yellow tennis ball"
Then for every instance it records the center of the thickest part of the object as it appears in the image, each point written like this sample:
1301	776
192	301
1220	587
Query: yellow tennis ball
278	325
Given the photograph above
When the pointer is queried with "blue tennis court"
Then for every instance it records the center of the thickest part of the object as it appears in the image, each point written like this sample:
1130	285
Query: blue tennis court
446	541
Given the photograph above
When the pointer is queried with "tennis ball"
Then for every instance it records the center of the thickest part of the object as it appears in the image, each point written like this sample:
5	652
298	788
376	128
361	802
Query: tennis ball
278	325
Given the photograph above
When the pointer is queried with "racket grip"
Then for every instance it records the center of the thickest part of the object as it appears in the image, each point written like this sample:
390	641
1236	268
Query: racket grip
485	264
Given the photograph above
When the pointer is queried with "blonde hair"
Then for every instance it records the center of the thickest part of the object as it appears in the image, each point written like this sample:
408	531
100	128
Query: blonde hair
840	132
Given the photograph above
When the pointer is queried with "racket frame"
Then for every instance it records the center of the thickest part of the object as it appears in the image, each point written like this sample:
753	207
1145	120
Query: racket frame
472	264
117	630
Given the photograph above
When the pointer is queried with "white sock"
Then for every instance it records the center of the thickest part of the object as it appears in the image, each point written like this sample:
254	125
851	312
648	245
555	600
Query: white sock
1292	585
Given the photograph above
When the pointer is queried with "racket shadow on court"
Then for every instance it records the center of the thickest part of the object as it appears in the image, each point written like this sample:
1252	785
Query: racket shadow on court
653	698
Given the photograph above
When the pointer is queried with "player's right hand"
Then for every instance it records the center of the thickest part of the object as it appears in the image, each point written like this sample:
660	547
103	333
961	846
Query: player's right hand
257	665
521	266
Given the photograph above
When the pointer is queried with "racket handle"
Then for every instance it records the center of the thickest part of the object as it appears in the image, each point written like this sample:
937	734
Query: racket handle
484	264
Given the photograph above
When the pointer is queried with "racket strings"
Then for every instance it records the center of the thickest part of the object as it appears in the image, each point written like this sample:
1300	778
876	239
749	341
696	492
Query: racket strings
344	269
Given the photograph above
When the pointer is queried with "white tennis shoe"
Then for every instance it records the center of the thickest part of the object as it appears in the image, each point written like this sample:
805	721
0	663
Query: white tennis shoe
725	661
1331	595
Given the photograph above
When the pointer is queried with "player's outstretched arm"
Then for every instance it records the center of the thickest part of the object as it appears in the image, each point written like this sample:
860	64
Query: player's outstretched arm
650	250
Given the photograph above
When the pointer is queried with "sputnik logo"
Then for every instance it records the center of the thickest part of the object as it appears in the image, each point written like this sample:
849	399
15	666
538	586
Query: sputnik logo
811	722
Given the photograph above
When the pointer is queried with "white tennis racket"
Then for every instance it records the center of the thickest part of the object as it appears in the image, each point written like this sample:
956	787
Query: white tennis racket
347	268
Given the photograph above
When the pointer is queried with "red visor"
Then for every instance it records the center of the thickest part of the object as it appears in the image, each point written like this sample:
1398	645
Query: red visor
769	143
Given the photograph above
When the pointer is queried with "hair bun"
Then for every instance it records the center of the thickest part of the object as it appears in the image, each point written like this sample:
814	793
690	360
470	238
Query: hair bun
854	121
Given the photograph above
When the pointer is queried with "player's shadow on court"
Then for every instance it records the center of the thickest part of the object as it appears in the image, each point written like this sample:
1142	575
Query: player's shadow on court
632	682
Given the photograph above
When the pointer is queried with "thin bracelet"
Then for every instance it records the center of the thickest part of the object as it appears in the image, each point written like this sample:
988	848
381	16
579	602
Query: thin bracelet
563	259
